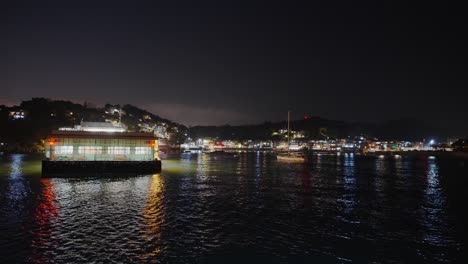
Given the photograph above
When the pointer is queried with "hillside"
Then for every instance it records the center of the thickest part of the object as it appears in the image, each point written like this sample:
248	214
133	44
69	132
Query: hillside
23	127
317	128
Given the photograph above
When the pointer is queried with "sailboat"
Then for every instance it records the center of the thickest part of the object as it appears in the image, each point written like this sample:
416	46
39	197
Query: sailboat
290	156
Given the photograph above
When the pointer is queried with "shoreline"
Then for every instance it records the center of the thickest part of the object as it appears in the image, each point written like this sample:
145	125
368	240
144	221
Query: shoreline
438	154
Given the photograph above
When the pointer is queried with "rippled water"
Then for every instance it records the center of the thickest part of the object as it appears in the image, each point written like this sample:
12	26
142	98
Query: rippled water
251	208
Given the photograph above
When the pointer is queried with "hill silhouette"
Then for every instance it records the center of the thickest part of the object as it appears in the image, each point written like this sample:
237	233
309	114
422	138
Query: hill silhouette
402	129
44	115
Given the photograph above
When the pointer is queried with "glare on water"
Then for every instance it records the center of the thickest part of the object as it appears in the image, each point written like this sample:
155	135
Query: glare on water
332	209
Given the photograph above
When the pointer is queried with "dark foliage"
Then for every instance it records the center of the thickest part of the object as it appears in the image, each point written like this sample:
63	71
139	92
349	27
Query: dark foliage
319	128
44	115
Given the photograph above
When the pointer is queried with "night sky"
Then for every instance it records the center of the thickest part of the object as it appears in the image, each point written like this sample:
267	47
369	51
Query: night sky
219	63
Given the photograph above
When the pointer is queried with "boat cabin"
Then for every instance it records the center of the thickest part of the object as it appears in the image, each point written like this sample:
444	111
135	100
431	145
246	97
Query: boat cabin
86	151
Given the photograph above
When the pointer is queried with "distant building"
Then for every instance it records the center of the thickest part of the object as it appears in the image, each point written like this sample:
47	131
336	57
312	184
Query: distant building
112	110
163	145
298	134
461	145
16	114
144	127
97	127
160	131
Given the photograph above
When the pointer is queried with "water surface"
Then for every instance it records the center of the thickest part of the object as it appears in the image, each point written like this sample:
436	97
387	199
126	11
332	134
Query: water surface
334	209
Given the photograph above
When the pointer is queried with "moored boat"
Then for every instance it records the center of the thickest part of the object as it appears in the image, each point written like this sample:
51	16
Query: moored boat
290	156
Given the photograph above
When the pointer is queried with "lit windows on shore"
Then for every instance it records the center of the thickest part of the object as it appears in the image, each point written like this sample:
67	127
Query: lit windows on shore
118	150
71	145
16	115
89	150
62	150
142	150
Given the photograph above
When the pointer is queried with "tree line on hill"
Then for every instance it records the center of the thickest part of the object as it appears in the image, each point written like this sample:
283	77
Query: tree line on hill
318	128
25	133
41	116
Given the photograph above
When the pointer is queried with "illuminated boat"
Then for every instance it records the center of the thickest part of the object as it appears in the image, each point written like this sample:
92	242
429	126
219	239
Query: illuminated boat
98	150
290	156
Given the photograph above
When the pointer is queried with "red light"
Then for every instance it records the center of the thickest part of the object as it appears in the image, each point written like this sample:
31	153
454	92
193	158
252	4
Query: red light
306	117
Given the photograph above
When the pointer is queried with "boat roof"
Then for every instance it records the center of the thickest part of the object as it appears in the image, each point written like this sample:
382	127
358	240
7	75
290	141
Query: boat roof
108	135
97	124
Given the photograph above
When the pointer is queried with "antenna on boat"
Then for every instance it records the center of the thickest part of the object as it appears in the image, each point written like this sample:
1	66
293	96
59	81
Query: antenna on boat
120	116
289	115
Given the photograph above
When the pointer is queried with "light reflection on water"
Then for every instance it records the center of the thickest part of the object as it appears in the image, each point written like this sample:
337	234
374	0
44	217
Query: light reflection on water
336	208
17	190
153	218
46	219
349	183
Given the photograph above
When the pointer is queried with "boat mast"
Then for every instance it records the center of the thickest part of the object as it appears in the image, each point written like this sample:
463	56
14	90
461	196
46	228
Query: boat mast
120	116
288	128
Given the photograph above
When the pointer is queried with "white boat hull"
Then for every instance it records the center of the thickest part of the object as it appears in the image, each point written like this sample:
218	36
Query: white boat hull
289	158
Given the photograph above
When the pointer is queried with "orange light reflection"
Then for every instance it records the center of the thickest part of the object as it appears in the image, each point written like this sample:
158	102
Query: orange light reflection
153	217
45	215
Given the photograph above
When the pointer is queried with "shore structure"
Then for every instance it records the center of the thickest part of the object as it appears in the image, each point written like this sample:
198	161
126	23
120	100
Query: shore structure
100	150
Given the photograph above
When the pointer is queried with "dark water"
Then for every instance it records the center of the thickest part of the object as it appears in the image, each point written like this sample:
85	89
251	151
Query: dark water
200	209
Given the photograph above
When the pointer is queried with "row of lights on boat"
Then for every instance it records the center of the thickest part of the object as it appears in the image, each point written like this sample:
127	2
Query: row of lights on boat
399	157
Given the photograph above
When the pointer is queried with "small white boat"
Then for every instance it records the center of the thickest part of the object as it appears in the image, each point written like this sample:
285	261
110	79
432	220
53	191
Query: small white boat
290	156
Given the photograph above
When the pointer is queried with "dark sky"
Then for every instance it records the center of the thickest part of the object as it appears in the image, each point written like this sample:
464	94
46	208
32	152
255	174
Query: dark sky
223	62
